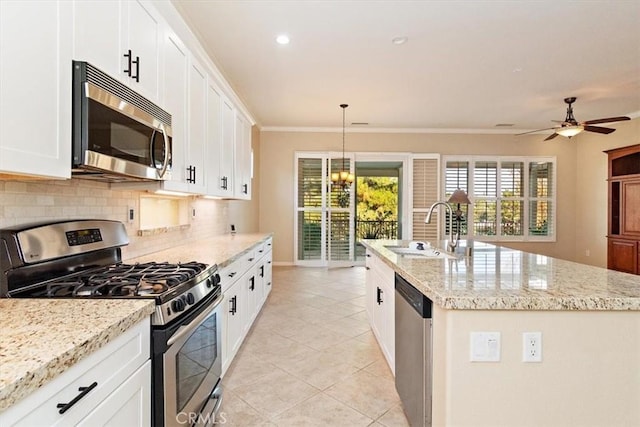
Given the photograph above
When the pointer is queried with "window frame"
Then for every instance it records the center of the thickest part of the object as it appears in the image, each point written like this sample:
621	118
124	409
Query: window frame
526	197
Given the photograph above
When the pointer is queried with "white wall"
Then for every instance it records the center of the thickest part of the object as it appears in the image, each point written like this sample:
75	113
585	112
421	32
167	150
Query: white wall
589	374
582	191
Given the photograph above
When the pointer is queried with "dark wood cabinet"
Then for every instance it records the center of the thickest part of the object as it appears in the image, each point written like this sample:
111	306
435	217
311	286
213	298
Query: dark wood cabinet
623	251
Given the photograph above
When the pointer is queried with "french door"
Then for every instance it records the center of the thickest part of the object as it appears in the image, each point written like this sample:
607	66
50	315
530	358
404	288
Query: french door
324	217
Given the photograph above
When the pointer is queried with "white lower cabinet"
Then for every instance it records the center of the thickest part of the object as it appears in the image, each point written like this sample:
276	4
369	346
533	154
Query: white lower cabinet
128	405
234	321
112	386
380	305
246	283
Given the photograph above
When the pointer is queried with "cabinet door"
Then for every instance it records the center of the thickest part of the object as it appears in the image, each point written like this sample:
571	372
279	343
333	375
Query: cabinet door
623	255
236	308
242	158
128	405
143	31
370	286
215	183
197	127
268	274
253	297
35	88
227	147
97	31
175	68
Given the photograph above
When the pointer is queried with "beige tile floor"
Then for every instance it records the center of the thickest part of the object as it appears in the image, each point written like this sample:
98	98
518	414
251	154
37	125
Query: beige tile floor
311	359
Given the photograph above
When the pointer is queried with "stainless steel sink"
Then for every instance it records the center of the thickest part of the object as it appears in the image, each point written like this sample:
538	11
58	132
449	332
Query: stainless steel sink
418	253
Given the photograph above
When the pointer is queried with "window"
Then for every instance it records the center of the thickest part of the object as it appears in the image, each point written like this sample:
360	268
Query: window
513	198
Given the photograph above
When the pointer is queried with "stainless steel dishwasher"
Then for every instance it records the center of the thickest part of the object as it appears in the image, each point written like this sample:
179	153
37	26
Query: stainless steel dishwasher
413	352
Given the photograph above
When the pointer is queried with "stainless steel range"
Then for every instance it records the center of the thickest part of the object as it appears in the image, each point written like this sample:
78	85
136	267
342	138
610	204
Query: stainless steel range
82	259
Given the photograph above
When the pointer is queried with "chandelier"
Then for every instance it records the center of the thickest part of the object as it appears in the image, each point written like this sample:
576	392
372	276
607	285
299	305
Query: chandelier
344	177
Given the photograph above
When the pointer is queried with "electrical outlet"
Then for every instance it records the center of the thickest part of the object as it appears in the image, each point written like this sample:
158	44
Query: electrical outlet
131	214
532	346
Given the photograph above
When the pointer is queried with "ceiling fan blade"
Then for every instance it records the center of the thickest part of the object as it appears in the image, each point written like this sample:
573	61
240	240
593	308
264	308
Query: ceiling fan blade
534	131
553	135
598	129
607	120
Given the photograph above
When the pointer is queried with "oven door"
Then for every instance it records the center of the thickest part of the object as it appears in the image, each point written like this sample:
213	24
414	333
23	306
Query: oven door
192	366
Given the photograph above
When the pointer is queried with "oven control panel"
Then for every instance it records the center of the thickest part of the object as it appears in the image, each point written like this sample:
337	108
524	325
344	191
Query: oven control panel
82	237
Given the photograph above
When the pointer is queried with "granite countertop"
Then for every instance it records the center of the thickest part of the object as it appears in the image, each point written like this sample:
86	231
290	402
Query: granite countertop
41	338
499	278
221	250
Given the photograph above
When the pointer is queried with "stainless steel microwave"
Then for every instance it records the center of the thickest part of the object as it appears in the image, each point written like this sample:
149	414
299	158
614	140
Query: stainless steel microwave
118	135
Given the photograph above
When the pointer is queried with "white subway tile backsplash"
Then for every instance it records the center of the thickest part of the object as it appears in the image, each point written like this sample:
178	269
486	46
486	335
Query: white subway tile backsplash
22	202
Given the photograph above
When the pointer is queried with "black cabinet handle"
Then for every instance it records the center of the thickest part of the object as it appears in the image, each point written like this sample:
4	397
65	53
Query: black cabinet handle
379	296
245	188
252	283
233	305
268	283
137	62
368	268
268	262
368	255
251	259
128	69
191	178
64	407
223	184
233	273
262	271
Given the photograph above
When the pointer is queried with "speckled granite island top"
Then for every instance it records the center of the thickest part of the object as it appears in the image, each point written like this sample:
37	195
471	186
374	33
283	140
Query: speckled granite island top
499	278
40	339
221	250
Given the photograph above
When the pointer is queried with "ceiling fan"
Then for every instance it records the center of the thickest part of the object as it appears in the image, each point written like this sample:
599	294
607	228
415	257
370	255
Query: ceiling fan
571	127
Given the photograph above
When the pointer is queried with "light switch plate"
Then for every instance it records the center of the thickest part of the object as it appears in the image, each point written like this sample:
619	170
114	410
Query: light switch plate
484	347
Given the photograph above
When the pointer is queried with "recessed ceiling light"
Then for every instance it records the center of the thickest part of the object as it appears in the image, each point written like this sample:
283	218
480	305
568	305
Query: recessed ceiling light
399	40
282	39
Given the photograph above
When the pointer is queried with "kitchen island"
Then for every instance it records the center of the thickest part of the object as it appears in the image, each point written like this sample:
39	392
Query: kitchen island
589	319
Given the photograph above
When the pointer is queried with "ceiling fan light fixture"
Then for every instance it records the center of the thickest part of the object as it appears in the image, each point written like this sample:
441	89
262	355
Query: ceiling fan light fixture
569	131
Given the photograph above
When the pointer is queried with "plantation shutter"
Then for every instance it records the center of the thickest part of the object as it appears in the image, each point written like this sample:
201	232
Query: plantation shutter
309	208
425	193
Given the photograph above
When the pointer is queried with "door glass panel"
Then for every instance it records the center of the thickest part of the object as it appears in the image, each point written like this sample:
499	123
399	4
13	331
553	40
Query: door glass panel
309	183
195	359
340	232
309	235
114	134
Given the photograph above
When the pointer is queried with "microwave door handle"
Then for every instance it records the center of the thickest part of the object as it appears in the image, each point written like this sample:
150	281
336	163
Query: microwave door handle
167	149
152	151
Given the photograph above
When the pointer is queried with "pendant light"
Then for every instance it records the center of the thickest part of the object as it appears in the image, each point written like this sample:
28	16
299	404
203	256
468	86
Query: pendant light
344	177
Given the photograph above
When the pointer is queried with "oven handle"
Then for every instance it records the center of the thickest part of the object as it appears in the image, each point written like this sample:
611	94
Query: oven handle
209	415
187	329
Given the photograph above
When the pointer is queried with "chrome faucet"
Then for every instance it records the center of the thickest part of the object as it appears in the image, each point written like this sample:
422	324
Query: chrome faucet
453	242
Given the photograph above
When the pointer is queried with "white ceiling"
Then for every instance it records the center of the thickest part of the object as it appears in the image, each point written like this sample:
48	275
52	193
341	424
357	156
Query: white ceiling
467	65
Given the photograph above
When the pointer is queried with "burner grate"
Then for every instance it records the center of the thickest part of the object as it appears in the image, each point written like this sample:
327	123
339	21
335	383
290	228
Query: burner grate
123	280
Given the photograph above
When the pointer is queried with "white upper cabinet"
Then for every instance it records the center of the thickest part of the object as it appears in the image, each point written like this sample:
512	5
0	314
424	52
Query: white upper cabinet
227	149
197	127
185	91
213	147
35	88
123	39
176	68
242	158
